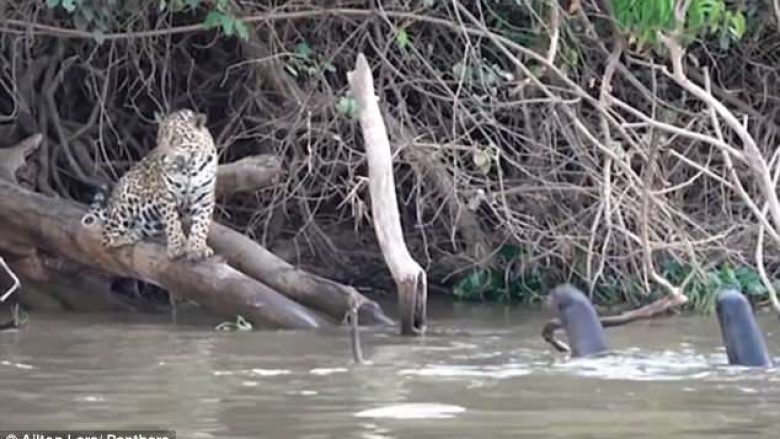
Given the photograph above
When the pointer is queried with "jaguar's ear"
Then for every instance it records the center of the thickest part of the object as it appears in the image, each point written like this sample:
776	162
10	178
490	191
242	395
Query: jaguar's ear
200	120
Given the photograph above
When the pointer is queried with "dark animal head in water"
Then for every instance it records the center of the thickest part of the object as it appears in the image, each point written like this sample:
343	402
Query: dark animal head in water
744	342
579	320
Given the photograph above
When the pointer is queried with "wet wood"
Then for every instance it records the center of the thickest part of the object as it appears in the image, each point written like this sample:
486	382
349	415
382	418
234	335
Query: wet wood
53	225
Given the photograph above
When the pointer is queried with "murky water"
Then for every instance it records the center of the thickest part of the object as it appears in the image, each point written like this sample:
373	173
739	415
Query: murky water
482	372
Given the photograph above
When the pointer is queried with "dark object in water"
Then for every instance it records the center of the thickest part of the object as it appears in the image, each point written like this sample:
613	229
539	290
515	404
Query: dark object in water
579	320
744	341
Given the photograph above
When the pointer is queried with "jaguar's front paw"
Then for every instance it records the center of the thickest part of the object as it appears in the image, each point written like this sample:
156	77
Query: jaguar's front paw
199	252
175	252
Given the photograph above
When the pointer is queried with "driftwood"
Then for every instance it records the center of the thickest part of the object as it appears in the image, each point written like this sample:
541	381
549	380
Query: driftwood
54	226
410	278
248	174
648	311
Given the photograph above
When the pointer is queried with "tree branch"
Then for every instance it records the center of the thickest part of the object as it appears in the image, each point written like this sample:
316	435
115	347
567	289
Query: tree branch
409	277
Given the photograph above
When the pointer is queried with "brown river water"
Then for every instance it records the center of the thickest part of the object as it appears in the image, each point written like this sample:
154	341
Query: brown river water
480	372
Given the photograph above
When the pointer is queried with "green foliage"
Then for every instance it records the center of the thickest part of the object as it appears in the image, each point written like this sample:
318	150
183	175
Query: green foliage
100	16
645	18
504	285
402	38
221	17
304	62
701	289
513	283
347	106
240	324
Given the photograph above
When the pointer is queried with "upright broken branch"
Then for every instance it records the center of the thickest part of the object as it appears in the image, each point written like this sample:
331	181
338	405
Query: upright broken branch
409	277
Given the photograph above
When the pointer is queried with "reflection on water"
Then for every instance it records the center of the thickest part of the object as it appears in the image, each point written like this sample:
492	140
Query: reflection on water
480	372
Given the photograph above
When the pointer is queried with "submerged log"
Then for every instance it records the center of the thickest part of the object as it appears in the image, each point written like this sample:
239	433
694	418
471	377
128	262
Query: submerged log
54	225
410	278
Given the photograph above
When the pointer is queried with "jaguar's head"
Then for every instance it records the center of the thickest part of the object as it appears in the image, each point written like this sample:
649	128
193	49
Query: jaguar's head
177	120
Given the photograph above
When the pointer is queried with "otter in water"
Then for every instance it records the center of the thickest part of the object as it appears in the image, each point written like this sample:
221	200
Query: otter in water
744	341
579	320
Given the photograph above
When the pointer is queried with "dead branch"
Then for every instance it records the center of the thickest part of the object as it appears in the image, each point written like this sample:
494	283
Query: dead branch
409	277
660	306
14	157
248	174
54	225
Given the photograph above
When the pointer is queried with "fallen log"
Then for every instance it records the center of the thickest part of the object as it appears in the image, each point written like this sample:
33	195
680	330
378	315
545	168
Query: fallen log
410	278
248	174
54	225
332	298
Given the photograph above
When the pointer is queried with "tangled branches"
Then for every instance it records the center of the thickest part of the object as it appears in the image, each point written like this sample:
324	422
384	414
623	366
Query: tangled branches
516	127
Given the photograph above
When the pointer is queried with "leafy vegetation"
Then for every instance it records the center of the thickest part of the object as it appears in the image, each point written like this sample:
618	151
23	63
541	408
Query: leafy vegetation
514	281
100	16
529	286
643	19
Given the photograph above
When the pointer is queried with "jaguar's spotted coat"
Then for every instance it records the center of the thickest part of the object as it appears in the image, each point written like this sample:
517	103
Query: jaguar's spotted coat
170	190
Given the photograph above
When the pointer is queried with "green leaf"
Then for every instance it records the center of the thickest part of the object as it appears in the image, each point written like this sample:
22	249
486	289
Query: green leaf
347	106
737	26
69	5
212	20
242	30
52	3
303	50
192	3
228	24
402	38
222	5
